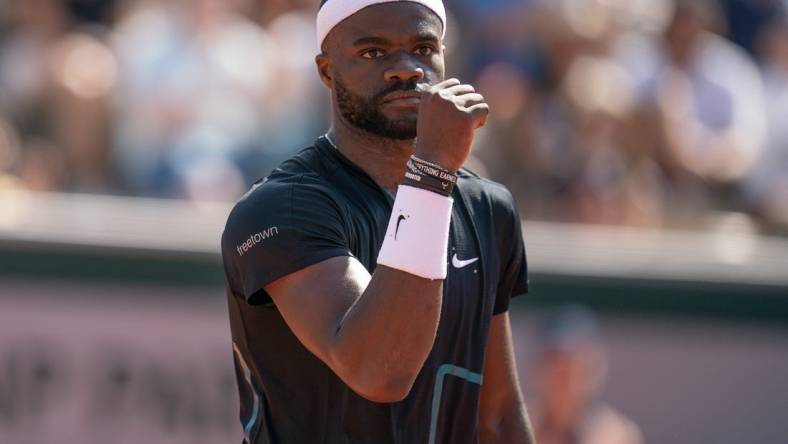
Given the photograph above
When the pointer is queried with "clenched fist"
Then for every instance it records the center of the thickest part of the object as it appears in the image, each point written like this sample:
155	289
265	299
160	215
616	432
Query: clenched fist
449	114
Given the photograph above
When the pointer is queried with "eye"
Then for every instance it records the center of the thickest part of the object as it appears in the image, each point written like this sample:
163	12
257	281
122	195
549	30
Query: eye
425	50
372	53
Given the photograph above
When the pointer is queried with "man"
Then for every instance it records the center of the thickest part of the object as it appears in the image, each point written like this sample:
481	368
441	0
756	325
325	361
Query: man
348	324
571	369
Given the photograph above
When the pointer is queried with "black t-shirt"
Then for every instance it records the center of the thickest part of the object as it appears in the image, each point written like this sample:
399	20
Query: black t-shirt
319	205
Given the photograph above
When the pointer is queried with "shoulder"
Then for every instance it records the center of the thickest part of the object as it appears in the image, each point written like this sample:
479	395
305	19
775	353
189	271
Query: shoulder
298	190
494	211
483	194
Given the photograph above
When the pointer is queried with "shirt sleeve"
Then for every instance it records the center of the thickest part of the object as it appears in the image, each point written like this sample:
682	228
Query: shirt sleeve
278	229
514	274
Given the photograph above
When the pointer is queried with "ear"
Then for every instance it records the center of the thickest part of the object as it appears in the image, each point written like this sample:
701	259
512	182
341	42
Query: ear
323	63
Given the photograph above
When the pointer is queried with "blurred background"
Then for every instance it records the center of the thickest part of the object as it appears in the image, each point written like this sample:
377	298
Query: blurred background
646	142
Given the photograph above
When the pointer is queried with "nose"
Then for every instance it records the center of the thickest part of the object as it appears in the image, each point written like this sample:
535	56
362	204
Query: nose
404	69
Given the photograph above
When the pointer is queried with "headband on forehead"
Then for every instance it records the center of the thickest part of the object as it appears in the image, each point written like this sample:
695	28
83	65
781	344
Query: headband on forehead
334	11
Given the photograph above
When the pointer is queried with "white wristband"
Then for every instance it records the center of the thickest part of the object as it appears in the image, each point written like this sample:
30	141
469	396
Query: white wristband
417	238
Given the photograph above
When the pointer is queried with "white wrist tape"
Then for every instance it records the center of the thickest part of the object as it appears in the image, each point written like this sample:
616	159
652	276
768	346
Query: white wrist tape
417	238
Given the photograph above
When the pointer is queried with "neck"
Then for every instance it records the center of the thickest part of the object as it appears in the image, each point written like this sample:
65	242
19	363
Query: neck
381	158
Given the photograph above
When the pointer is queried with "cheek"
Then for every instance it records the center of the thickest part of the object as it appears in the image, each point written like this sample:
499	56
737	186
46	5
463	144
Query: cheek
353	82
363	81
438	66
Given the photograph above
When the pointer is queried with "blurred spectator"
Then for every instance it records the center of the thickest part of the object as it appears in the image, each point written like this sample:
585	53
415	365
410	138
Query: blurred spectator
208	96
639	112
704	98
265	12
9	155
84	72
192	75
570	373
34	28
54	81
767	184
566	108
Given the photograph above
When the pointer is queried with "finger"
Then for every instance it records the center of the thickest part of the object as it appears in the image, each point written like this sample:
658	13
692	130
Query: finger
479	112
448	83
469	100
459	90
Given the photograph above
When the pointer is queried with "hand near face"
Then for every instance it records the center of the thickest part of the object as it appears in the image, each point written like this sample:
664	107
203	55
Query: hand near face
449	114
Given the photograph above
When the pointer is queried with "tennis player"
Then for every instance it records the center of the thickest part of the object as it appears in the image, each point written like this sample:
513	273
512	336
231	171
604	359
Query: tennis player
369	276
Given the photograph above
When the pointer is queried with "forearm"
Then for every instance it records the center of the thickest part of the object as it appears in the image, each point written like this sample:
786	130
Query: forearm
383	340
502	415
513	427
385	336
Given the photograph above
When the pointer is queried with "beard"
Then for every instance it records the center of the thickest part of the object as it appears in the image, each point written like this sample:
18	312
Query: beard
366	114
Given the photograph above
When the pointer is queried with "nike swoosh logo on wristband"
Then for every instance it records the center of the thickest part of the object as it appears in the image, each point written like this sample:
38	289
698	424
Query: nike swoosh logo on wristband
457	263
399	221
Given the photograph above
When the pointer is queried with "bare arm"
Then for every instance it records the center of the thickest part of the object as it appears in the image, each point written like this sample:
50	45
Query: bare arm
374	331
502	414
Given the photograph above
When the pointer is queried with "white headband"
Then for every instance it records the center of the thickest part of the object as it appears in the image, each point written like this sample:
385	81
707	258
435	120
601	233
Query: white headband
334	11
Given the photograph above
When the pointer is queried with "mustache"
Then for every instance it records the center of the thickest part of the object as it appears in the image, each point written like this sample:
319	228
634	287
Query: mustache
406	86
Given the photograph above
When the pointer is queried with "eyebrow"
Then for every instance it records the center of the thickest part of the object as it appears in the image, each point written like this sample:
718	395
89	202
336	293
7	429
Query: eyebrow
365	41
380	41
427	37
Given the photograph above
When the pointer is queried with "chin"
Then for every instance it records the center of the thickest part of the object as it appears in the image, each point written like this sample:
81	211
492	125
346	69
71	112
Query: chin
403	114
402	130
399	132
